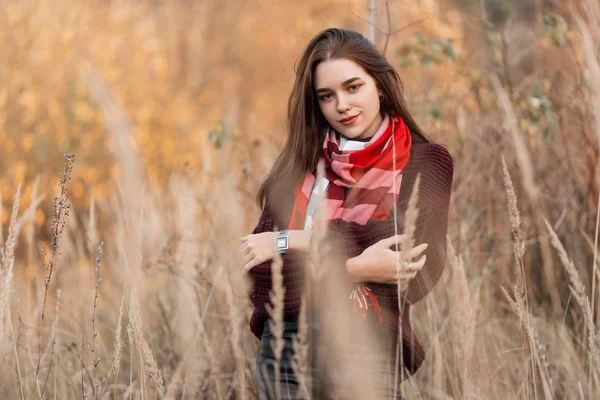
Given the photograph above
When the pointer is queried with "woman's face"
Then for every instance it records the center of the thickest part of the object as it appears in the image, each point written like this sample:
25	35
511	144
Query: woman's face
344	89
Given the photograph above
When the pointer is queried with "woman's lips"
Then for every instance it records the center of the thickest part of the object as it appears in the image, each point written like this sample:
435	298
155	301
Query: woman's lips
350	121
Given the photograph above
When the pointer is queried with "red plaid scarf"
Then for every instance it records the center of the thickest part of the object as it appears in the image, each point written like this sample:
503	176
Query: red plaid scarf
370	173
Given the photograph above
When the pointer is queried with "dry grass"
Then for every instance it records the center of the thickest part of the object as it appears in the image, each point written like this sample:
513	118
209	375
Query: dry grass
129	90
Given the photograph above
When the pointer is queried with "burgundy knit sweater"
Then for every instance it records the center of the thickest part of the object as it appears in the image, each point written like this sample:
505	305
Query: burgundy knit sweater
436	167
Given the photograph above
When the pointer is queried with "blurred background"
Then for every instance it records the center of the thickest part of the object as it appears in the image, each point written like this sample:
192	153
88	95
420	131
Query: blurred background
174	112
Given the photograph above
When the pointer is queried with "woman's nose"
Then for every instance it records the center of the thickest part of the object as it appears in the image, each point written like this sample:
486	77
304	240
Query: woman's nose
342	105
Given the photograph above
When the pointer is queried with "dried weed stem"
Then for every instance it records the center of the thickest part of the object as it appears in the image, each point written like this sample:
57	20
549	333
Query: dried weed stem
92	348
62	206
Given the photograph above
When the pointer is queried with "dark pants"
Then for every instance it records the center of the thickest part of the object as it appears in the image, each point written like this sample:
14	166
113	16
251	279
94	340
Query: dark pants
266	380
286	385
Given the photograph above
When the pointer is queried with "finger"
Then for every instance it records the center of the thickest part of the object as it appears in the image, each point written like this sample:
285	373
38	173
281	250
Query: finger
247	246
416	266
248	266
417	250
411	269
242	253
245	238
247	258
389	242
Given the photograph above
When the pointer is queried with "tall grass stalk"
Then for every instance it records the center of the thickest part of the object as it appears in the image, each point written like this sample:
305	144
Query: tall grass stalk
303	343
8	261
275	312
1	230
579	294
118	348
16	353
587	27
147	360
300	344
410	221
464	324
529	183
31	225
52	343
519	301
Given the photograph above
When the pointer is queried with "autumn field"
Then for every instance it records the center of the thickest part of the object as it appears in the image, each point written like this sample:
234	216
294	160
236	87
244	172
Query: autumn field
134	136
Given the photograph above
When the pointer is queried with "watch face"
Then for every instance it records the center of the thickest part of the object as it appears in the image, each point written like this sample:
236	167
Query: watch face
281	243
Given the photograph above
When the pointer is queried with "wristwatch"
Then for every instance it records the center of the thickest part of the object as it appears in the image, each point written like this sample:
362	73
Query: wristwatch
281	241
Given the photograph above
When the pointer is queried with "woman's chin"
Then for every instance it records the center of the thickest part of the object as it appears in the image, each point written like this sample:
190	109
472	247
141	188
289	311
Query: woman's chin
351	132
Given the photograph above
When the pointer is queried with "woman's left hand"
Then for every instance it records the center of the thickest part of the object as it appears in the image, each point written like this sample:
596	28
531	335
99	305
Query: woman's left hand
377	263
256	249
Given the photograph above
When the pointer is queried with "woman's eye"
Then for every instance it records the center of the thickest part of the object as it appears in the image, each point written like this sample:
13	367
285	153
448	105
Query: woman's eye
352	88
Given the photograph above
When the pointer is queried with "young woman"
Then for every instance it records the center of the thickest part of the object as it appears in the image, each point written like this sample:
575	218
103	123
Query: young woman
347	108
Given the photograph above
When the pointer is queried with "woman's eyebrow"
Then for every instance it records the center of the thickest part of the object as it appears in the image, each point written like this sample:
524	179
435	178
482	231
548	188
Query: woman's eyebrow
345	83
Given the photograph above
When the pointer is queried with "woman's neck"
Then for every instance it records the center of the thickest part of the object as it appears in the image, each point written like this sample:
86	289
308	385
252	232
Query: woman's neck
358	140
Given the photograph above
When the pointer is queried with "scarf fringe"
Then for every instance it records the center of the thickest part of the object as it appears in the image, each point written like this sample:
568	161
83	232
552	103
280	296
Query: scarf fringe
362	297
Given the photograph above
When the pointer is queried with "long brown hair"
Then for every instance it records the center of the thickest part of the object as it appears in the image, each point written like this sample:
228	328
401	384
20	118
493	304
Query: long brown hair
306	123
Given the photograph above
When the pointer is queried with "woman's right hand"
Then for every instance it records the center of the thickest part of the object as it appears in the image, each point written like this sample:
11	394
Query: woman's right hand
255	249
377	263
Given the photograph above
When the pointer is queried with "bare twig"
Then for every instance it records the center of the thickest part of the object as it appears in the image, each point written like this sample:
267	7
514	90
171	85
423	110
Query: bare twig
372	21
387	33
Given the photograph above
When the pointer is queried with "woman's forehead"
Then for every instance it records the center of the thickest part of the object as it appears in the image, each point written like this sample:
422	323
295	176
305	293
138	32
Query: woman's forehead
334	73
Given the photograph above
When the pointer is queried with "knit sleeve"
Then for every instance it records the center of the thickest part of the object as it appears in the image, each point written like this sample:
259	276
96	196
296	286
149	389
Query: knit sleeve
266	221
261	274
432	222
436	168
